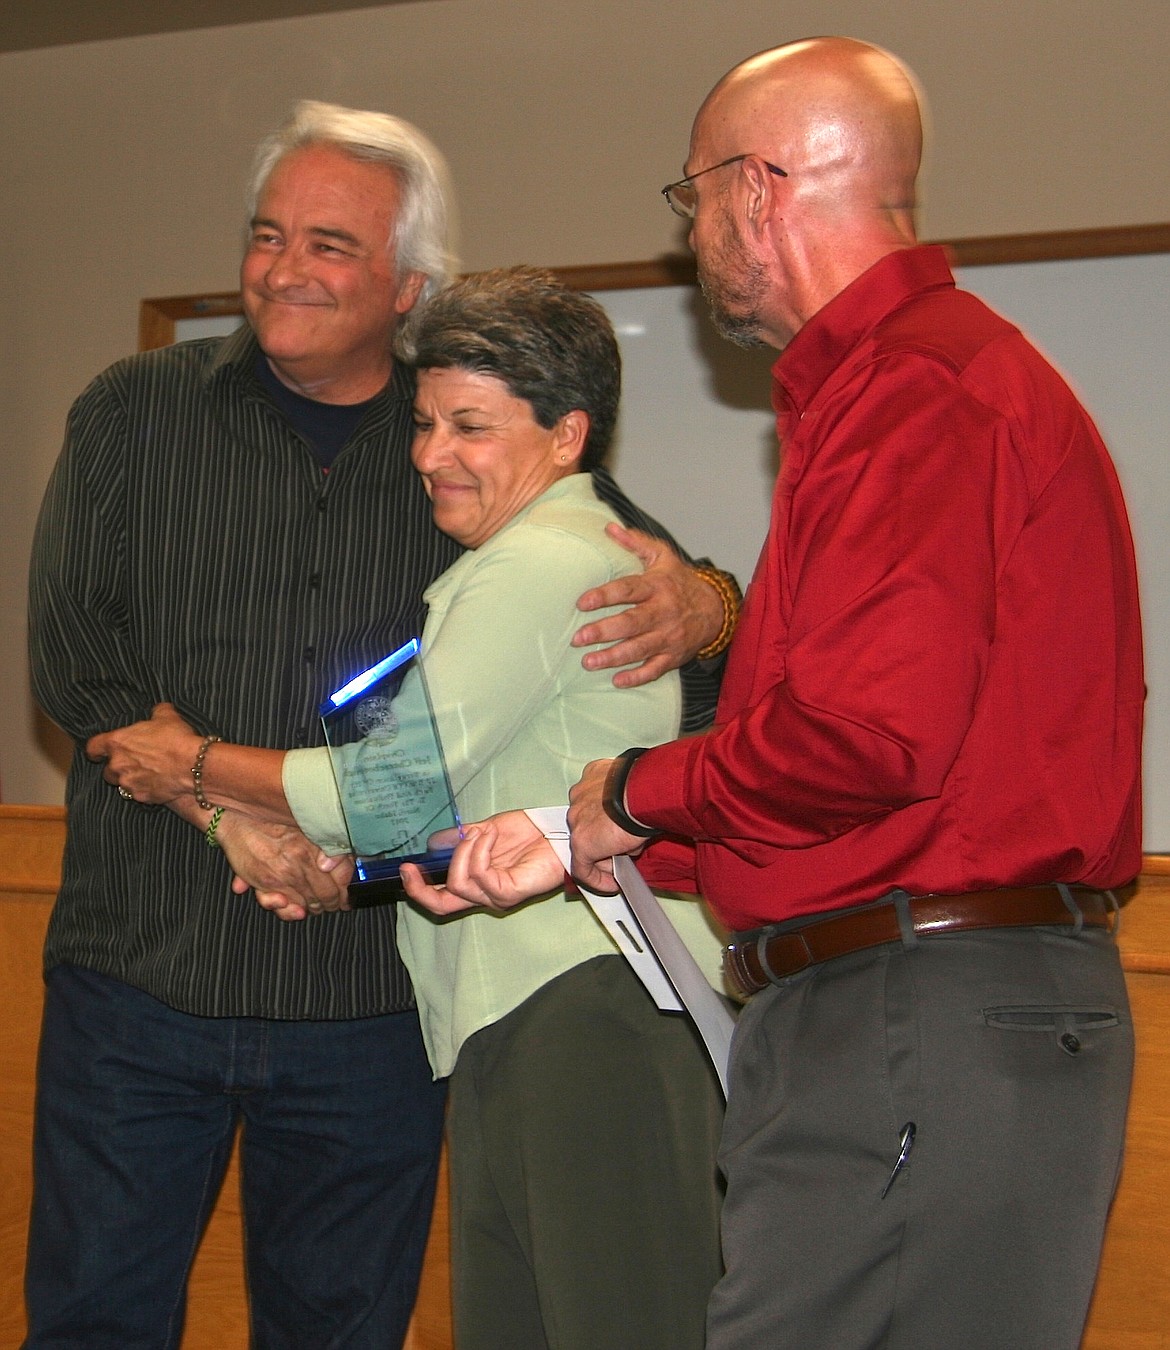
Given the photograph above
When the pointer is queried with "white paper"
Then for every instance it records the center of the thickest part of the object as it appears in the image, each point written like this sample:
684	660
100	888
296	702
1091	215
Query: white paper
650	943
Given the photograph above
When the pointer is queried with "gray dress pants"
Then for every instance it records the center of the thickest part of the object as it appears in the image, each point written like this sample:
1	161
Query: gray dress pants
1010	1052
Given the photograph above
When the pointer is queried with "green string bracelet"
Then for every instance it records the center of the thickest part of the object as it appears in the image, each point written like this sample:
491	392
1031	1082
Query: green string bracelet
212	826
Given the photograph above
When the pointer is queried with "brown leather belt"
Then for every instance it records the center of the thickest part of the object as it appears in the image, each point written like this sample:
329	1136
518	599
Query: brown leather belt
752	961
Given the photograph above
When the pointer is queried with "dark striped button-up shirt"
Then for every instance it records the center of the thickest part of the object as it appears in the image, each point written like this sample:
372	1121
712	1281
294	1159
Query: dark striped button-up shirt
190	548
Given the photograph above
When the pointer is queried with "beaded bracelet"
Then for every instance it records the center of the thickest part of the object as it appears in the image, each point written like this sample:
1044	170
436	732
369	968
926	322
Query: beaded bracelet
197	772
212	826
730	596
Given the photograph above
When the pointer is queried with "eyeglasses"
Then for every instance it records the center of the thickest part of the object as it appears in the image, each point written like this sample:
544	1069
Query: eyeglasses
680	196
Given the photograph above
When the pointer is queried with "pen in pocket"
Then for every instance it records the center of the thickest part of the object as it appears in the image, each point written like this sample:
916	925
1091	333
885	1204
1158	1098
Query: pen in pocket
906	1140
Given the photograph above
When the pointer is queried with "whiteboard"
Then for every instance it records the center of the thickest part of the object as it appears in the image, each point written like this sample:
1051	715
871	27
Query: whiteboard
696	444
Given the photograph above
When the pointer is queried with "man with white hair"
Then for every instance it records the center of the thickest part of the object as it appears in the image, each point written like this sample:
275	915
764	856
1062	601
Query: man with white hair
924	775
234	525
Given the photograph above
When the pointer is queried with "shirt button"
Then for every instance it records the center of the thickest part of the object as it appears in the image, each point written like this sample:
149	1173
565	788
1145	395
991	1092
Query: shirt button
315	581
310	653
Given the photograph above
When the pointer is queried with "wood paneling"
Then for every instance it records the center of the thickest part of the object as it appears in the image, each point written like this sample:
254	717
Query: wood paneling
1131	1308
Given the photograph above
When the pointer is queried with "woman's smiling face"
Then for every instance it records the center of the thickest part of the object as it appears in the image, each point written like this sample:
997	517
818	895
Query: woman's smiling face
482	454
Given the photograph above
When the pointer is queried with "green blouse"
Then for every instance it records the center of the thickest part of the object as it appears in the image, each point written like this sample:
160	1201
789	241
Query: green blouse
519	718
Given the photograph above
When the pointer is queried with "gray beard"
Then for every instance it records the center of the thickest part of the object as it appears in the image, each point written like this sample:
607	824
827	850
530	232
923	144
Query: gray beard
734	296
742	329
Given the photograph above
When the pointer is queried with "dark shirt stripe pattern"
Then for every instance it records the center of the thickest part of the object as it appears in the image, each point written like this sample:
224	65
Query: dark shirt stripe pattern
190	548
700	679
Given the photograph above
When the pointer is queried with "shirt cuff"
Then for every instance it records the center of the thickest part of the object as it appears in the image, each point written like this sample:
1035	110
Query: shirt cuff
311	792
656	787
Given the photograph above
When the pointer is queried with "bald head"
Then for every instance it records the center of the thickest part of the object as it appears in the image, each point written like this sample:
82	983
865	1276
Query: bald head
841	119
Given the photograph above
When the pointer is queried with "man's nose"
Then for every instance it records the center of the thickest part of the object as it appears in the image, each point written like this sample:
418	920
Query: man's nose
286	270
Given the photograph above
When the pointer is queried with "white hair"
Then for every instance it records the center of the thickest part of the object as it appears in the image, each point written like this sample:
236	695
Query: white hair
425	225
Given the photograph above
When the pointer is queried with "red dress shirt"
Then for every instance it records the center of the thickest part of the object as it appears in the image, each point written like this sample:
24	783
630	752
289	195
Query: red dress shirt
937	678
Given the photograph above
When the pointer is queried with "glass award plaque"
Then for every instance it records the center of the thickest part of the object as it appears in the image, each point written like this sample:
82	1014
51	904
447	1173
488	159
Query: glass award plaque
391	776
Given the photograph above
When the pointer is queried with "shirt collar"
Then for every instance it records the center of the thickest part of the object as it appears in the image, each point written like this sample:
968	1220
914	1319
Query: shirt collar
237	355
824	342
236	352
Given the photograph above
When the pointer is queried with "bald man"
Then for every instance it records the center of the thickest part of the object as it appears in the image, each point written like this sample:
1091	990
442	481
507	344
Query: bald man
923	781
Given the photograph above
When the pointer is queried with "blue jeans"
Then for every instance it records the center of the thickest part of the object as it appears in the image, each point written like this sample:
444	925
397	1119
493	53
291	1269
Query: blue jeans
137	1106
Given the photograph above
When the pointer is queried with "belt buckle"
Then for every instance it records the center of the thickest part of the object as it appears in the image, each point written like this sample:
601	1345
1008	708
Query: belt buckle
739	983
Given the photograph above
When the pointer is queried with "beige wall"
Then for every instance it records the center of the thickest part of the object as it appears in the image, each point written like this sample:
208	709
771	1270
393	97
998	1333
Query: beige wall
121	164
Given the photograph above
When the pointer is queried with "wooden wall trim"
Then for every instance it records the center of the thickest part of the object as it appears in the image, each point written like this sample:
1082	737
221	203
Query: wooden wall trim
31	840
157	318
1057	245
1049	246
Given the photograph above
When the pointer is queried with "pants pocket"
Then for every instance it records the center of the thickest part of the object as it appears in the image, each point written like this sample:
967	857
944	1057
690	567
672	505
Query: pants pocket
1066	1022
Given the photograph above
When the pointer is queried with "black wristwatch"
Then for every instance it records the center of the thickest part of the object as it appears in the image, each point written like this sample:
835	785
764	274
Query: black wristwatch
613	800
